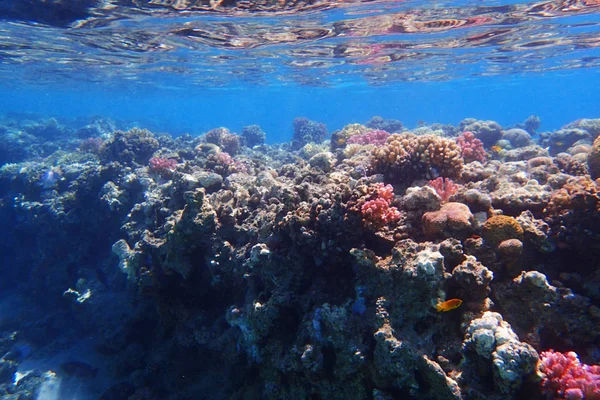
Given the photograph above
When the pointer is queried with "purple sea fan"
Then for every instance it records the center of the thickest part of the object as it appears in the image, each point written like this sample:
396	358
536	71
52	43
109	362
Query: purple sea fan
376	137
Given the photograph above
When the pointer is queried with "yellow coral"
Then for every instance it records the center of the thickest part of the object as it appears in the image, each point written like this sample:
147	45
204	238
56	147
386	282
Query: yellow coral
500	228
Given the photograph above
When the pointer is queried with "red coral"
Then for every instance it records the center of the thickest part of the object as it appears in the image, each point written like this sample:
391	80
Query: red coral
377	212
375	136
444	187
567	378
162	165
471	147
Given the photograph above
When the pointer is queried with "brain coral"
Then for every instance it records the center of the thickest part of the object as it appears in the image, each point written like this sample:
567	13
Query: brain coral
499	228
411	157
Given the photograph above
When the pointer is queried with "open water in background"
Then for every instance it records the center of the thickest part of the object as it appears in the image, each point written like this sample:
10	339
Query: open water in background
189	66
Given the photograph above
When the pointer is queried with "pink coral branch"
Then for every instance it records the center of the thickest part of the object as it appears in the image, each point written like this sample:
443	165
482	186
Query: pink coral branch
444	187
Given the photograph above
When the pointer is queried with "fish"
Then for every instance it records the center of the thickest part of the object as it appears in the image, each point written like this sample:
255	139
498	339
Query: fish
79	369
448	305
119	391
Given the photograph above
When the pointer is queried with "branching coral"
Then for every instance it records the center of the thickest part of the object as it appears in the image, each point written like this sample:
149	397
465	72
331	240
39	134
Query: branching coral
567	378
444	187
378	212
471	147
409	157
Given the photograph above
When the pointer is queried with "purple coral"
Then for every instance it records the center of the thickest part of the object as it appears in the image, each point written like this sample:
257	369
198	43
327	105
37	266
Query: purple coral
375	136
567	378
162	165
471	147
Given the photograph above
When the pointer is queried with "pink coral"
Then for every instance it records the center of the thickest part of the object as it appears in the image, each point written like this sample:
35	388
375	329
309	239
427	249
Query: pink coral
567	378
471	147
375	136
444	187
377	212
455	217
162	165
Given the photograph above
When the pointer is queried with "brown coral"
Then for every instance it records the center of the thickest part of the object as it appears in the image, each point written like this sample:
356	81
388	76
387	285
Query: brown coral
455	217
579	193
593	160
499	228
226	140
412	157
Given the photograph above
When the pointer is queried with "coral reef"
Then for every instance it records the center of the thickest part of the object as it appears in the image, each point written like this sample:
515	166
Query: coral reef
489	132
407	157
307	131
253	135
593	159
567	378
471	147
217	265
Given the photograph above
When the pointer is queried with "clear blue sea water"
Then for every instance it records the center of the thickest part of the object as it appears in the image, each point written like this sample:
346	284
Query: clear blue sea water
185	69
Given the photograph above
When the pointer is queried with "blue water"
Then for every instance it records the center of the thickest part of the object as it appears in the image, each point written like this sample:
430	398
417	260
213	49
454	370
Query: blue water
557	98
184	70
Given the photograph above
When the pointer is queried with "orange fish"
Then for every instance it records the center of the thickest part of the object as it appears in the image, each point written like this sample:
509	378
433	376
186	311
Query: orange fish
449	305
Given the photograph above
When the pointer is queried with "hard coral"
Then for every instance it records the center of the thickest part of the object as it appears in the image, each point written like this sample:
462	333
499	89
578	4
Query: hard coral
134	146
499	228
593	160
388	125
411	157
226	140
377	211
471	147
162	165
306	131
376	137
444	187
579	193
489	132
455	217
253	135
339	138
567	378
